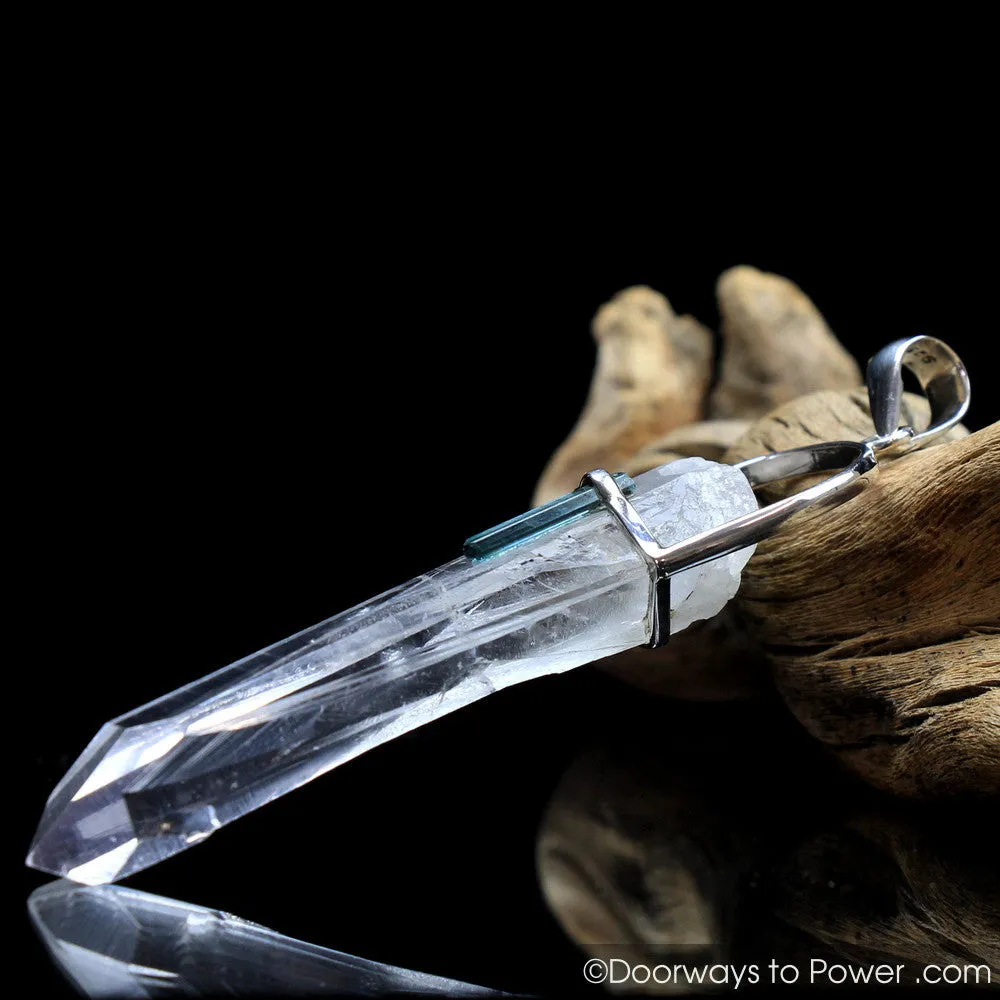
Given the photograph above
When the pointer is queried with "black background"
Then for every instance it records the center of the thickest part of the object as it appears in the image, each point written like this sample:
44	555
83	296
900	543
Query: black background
292	374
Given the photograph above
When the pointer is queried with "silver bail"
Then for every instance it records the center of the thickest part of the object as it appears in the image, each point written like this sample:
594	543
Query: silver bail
941	375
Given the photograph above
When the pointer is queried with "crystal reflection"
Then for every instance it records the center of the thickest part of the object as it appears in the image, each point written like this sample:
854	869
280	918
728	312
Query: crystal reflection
726	836
111	941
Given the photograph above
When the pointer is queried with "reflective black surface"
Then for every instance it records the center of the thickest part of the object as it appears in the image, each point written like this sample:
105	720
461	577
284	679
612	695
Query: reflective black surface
739	845
713	834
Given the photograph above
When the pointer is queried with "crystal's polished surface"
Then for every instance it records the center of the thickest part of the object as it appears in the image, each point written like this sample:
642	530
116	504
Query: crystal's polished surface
111	941
167	775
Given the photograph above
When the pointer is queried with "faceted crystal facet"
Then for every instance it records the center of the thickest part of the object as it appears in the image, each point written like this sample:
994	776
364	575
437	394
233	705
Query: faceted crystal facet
111	941
169	774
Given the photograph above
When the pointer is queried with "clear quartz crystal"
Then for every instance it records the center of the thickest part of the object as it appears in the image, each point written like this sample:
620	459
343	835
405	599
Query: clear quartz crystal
111	941
167	775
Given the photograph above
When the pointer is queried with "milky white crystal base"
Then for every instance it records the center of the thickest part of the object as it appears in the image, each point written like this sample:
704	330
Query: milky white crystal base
167	775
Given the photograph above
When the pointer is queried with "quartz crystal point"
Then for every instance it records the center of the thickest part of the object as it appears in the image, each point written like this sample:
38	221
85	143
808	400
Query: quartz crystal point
167	775
111	941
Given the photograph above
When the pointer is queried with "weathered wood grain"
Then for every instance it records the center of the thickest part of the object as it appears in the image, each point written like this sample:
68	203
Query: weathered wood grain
776	346
881	616
878	620
653	370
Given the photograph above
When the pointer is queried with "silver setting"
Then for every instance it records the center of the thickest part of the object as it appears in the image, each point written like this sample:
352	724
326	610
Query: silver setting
654	554
946	385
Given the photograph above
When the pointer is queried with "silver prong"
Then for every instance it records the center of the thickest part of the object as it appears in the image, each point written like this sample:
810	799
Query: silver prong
658	612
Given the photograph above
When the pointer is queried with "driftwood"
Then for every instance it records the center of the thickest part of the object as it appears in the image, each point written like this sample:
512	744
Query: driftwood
881	616
701	845
653	370
776	346
878	620
706	439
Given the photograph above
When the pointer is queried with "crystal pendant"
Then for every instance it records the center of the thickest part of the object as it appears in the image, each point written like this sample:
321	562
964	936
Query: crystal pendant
169	774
